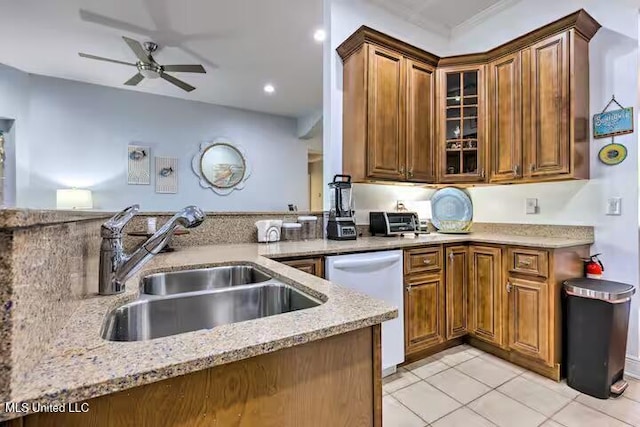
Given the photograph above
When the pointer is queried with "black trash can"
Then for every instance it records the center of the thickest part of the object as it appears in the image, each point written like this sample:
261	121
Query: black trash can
597	319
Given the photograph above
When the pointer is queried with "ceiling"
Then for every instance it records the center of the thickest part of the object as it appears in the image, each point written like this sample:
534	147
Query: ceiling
442	16
243	44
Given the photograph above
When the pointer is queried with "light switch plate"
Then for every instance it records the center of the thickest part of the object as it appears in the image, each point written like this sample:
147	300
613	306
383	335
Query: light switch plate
614	206
532	206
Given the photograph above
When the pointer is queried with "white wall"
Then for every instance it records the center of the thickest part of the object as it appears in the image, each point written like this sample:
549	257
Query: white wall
14	103
343	17
613	69
78	136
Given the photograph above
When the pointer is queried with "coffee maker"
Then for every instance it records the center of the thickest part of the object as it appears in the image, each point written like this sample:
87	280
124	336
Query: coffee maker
341	225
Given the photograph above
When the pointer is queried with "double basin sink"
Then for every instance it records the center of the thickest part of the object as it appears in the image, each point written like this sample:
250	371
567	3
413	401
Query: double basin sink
183	301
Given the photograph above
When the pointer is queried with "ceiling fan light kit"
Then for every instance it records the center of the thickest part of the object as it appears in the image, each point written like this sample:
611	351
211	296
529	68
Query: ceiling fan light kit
148	67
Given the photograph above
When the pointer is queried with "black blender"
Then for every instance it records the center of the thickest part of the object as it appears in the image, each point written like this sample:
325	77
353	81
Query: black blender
341	225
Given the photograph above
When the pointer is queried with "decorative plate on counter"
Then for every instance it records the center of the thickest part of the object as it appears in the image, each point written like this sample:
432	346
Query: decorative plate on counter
452	210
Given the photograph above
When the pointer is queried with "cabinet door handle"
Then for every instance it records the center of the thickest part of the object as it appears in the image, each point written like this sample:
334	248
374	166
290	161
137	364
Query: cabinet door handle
482	173
509	287
525	263
532	167
426	261
451	257
408	288
515	169
402	169
411	173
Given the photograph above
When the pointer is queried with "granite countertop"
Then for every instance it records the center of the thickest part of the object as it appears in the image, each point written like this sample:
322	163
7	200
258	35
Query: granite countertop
81	365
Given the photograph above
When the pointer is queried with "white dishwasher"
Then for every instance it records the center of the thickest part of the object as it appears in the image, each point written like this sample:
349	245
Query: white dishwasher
379	275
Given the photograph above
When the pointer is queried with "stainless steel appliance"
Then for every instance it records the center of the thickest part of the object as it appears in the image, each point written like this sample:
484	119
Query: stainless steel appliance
341	225
393	223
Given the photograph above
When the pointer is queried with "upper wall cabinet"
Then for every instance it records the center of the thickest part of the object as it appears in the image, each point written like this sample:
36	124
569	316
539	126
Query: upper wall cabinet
388	123
461	139
517	113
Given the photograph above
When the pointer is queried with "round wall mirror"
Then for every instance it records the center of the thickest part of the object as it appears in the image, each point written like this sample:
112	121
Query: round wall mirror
221	166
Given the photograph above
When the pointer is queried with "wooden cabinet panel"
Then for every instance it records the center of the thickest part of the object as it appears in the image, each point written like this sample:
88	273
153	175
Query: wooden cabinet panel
528	261
424	312
486	294
423	260
505	113
456	291
420	122
548	145
386	154
461	124
314	266
529	317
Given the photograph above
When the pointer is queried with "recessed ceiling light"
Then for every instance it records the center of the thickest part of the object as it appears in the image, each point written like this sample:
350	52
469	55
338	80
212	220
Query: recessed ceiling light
268	88
319	35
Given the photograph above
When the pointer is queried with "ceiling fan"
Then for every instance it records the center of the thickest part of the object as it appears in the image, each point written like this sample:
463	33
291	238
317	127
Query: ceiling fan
148	67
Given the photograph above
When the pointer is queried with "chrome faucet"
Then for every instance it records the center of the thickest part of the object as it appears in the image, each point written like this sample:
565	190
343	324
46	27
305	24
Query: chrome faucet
116	266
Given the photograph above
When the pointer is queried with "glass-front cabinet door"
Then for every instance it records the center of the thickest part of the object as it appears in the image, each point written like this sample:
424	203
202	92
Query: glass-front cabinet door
461	137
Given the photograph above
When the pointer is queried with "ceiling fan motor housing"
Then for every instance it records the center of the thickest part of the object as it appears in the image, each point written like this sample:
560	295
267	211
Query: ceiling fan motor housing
150	47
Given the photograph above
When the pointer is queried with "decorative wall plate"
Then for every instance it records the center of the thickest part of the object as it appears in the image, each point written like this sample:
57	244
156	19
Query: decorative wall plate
221	166
612	154
452	210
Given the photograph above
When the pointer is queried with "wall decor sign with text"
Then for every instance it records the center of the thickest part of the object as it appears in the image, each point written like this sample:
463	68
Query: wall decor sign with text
138	165
166	175
614	122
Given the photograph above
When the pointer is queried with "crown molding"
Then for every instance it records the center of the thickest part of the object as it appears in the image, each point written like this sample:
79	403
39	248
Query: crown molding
482	16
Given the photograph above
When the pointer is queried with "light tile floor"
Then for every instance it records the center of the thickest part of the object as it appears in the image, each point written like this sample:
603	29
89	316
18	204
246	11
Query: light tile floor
465	387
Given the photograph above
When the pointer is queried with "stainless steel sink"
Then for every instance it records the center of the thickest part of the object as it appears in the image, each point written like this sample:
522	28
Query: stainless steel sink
177	282
155	317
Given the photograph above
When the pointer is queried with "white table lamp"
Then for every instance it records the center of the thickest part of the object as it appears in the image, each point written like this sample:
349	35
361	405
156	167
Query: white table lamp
74	198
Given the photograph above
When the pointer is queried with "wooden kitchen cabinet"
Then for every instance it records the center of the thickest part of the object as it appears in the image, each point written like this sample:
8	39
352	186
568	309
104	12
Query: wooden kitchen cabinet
547	100
388	109
486	308
314	266
516	113
456	275
424	301
420	120
505	118
386	158
461	124
529	317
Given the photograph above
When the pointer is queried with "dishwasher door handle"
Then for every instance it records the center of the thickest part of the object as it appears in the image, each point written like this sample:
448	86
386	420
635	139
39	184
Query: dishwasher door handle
367	264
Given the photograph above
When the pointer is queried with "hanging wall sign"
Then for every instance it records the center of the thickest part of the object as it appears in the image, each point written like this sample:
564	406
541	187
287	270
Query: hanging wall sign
614	122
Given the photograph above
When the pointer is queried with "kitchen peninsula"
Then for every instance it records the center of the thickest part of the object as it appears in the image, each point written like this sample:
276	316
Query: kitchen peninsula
266	367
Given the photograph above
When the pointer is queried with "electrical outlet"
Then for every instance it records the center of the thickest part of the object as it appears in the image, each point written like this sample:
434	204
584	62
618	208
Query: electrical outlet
532	206
614	206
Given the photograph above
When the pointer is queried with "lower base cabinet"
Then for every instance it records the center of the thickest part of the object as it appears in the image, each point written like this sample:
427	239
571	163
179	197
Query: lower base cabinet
456	290
505	300
529	318
424	312
313	266
486	294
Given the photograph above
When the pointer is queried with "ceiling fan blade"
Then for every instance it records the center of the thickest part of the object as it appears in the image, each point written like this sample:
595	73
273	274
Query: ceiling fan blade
137	48
182	85
199	57
134	80
100	58
95	18
184	68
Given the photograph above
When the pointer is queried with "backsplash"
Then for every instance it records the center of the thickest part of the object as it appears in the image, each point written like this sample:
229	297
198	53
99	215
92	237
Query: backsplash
218	228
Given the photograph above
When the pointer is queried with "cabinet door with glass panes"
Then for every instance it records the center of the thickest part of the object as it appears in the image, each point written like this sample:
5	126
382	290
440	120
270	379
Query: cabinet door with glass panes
461	136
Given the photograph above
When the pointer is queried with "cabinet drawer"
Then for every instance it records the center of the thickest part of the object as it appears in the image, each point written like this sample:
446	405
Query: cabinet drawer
314	266
529	261
423	260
